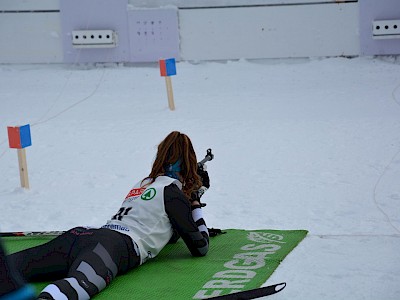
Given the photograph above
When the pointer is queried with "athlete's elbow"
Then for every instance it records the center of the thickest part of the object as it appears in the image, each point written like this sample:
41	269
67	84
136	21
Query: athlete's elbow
198	246
201	251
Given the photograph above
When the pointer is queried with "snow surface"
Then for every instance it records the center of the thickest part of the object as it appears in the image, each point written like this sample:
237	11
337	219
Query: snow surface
299	144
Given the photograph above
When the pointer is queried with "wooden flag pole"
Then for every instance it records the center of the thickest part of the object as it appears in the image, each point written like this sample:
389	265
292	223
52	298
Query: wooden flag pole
168	69
19	137
23	168
170	93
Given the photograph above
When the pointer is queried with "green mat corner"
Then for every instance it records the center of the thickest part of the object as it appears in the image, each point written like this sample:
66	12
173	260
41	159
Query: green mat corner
237	260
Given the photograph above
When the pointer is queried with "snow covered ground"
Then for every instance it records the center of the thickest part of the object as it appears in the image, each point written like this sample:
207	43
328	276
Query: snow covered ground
299	144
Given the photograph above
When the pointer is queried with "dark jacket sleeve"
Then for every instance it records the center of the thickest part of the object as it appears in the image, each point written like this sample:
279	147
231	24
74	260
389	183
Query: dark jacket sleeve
193	232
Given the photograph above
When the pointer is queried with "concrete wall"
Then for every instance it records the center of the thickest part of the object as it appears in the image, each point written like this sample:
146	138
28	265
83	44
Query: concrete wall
39	31
30	31
269	31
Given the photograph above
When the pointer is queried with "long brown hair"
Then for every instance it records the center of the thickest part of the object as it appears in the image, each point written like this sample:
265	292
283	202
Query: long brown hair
177	146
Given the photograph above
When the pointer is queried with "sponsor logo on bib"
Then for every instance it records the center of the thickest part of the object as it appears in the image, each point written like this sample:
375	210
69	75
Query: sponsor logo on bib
135	192
148	194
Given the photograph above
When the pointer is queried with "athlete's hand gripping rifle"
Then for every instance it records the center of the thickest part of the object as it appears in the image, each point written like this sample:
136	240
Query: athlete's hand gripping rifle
202	172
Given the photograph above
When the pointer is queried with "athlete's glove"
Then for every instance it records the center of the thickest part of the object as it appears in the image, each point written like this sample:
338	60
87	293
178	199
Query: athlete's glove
215	231
202	172
205	179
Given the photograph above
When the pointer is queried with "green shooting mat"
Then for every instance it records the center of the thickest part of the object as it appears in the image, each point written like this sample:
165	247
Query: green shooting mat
238	260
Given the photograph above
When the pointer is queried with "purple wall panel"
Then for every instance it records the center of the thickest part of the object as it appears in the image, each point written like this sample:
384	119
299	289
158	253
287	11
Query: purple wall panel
374	10
154	34
95	15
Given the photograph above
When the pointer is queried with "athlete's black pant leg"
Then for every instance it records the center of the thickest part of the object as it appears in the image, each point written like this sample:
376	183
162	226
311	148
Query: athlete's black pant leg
45	262
10	279
98	256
